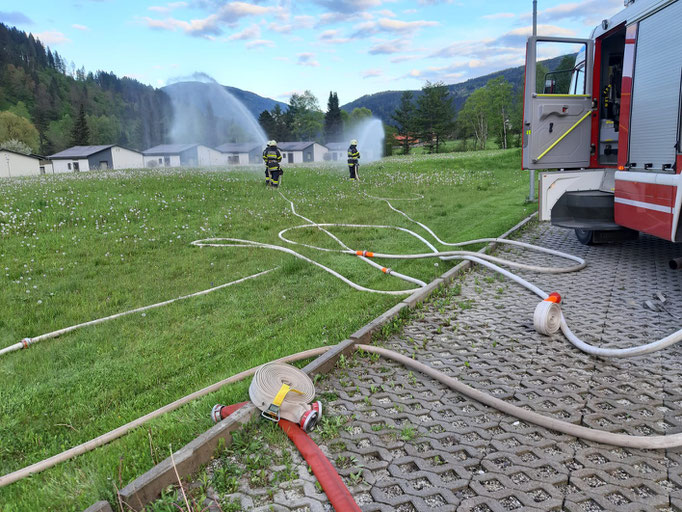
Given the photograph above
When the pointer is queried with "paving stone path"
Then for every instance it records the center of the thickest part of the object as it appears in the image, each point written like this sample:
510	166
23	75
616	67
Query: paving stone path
410	444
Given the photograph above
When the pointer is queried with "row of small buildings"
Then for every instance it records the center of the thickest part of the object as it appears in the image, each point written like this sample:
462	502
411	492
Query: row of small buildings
112	156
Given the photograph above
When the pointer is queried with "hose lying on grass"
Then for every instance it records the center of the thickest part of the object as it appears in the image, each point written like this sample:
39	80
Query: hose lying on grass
124	429
26	342
600	436
545	316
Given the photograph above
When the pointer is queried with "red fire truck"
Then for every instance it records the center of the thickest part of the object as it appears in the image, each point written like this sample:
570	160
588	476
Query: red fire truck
611	124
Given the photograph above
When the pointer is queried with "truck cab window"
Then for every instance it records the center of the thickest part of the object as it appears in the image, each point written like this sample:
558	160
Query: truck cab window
556	64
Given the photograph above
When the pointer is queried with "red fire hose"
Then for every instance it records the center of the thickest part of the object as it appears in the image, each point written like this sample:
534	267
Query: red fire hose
332	485
337	492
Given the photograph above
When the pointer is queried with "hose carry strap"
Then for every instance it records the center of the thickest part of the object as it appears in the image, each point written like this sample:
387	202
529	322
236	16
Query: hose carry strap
272	412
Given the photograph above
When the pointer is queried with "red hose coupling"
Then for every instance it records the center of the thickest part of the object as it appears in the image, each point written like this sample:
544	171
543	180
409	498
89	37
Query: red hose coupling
26	342
216	413
312	417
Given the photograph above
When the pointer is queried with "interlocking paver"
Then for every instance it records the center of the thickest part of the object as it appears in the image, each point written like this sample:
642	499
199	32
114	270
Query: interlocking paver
411	444
475	458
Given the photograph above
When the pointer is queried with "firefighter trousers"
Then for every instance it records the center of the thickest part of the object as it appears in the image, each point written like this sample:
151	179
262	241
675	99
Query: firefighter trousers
353	170
275	177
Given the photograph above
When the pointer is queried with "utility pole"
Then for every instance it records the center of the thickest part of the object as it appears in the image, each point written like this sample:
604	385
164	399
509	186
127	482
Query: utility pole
531	191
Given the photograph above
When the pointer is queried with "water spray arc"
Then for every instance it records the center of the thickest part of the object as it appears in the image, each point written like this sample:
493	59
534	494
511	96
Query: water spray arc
205	109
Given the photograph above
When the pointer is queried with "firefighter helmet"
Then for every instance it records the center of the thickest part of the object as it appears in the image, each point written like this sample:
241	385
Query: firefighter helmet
354	142
272	143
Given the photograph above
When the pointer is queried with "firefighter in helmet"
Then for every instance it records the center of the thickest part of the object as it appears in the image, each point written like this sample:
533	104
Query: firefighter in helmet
353	157
272	157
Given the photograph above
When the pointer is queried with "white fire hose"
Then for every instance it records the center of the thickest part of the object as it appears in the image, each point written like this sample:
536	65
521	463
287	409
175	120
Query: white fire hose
26	342
623	440
280	390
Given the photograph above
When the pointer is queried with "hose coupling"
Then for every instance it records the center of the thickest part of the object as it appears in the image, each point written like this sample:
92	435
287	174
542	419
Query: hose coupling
547	315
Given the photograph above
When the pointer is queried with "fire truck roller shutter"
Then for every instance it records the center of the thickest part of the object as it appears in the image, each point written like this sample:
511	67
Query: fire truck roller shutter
656	90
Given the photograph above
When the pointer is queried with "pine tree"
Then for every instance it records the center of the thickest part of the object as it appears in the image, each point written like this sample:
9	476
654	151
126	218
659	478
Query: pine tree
80	135
333	123
404	116
435	114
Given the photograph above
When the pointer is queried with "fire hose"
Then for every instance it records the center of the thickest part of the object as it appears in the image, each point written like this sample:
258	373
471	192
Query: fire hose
621	440
281	391
548	319
26	342
124	429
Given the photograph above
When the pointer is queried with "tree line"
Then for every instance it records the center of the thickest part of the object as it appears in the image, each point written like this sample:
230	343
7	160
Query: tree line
304	120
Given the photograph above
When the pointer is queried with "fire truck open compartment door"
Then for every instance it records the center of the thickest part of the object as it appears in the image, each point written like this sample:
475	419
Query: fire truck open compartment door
654	121
556	125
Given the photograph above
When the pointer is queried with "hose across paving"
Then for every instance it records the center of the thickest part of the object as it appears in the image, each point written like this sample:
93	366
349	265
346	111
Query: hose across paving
622	440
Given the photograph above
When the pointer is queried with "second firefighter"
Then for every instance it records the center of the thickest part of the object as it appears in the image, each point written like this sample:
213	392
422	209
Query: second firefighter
353	158
272	157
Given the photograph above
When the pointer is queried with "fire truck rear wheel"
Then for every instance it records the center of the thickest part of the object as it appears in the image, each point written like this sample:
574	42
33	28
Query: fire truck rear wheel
585	236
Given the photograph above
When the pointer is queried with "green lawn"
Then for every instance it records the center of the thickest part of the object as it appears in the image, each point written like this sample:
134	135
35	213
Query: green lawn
78	247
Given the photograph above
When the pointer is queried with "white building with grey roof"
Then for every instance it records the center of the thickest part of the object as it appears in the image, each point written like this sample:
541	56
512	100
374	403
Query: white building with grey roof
13	164
242	153
301	152
90	158
183	155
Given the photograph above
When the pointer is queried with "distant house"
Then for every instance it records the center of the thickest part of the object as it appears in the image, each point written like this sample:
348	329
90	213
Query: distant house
337	151
14	164
91	158
185	155
242	153
300	152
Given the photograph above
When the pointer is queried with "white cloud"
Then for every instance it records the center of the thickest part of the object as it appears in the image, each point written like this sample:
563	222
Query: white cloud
212	25
252	32
345	6
372	73
165	9
307	59
583	11
389	47
80	27
51	37
499	16
405	58
390	25
260	43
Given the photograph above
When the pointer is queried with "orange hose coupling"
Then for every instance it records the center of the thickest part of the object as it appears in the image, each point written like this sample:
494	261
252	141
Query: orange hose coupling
366	254
554	297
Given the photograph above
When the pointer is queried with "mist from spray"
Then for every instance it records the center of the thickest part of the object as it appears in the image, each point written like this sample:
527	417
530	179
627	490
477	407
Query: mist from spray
370	136
205	112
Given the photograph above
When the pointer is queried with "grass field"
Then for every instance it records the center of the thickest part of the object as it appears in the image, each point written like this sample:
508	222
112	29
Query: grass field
81	246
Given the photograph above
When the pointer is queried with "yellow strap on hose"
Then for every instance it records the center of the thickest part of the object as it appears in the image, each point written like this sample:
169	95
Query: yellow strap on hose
282	393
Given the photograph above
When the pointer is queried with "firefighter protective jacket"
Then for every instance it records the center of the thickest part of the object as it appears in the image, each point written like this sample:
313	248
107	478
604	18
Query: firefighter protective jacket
272	157
353	155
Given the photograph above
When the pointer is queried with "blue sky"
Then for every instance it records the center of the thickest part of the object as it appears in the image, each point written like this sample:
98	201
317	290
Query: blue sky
276	47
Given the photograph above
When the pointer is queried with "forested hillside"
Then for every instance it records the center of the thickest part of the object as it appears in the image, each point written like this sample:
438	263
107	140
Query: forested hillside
42	87
383	104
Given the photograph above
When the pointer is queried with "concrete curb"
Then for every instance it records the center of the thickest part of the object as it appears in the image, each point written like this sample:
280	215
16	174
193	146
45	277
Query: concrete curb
100	506
188	459
144	489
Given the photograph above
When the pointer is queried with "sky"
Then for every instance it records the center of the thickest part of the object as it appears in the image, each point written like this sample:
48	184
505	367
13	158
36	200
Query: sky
278	47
